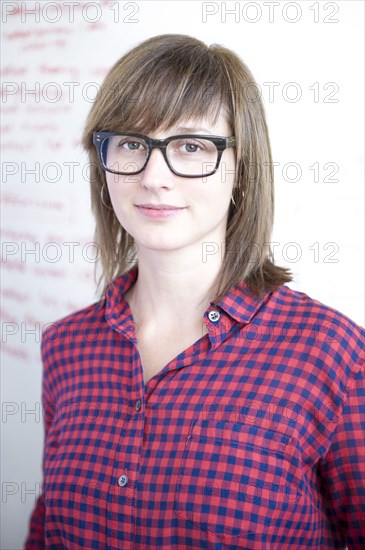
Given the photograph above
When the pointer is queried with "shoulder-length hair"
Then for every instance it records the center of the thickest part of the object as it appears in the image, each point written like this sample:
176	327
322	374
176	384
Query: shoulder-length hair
161	81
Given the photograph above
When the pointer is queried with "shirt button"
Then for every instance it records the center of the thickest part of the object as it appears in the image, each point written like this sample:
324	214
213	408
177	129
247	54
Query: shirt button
122	480
138	405
213	316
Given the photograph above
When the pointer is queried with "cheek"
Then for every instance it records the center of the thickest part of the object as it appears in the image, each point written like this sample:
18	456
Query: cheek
117	187
221	188
115	182
227	169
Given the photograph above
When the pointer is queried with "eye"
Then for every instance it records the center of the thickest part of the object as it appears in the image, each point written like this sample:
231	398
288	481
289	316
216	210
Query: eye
192	147
131	144
188	146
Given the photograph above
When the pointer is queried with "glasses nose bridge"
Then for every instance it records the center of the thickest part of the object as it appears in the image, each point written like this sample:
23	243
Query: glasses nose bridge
160	144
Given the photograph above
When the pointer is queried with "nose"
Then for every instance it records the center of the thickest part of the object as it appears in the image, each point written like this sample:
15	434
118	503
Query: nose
156	173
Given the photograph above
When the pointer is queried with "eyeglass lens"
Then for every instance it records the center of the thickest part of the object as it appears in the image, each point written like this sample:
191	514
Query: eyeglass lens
188	156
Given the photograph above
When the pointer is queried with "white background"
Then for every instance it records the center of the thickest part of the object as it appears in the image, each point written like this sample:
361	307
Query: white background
309	54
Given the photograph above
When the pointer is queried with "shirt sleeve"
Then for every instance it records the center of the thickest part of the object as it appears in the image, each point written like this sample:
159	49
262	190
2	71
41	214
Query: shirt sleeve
35	537
343	468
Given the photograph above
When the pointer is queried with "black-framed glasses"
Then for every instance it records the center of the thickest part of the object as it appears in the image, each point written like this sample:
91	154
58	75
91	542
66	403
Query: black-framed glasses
187	155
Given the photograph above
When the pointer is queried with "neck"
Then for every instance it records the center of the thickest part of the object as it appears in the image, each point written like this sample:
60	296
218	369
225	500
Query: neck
172	287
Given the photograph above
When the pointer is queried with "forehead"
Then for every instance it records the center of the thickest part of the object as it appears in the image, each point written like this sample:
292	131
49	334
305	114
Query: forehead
218	125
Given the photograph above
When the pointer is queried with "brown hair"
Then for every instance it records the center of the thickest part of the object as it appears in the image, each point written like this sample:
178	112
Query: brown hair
156	84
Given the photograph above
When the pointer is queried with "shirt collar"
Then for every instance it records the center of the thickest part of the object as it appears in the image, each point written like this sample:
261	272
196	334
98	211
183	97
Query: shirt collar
239	305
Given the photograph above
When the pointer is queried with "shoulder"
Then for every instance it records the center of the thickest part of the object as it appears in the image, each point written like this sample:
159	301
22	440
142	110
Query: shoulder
324	334
65	340
82	321
307	311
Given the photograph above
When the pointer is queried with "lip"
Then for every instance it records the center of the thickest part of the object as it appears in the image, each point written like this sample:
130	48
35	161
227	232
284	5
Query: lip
159	210
159	206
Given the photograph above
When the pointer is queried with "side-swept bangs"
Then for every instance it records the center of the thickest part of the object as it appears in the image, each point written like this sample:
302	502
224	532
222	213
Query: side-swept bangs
158	91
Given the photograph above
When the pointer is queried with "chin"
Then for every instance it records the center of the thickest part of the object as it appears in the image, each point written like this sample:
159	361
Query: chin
159	244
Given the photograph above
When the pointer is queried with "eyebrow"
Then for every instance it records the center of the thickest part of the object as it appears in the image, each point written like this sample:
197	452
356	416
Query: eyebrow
188	129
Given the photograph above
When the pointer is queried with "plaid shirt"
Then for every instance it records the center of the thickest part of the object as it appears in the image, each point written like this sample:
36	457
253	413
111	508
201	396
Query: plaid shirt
252	438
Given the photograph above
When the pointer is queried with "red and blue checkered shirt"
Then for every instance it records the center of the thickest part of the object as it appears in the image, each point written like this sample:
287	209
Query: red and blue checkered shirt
252	438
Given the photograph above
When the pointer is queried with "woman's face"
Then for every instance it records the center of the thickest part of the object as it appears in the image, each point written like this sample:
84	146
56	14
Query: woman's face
203	202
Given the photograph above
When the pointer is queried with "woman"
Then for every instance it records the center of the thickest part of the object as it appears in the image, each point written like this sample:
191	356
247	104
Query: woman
201	403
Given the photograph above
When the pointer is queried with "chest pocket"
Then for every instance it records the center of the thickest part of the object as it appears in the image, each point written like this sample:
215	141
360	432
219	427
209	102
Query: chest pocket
239	479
